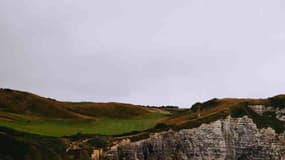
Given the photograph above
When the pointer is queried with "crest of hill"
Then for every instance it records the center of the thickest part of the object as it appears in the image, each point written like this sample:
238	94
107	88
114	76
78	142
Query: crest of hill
23	103
215	109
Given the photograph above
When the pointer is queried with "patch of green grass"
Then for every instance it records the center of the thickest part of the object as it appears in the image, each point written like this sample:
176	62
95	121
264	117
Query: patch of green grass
24	146
71	127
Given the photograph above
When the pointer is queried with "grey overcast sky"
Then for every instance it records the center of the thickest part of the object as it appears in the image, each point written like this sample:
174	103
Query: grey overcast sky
154	52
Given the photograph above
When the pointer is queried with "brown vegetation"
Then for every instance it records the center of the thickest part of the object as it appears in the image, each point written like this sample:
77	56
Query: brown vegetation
16	104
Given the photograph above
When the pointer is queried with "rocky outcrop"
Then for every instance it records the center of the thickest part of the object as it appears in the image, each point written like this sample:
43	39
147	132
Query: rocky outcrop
97	153
280	114
229	138
261	109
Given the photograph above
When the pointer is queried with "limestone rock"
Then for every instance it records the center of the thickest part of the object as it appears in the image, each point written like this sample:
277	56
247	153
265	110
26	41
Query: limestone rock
229	138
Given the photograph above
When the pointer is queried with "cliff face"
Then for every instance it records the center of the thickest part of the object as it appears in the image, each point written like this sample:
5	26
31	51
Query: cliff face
261	109
229	138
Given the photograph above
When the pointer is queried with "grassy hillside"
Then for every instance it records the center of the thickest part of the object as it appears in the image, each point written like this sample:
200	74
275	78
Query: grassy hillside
32	105
38	115
24	103
55	127
34	114
215	109
108	110
34	127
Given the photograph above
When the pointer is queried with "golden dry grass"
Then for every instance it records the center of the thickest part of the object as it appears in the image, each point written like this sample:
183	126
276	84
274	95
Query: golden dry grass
32	105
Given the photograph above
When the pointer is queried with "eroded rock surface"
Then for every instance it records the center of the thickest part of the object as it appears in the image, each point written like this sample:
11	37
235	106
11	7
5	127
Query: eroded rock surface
261	109
230	138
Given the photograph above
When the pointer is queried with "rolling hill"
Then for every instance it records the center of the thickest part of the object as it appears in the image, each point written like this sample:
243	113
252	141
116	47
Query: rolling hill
31	105
31	113
215	109
49	129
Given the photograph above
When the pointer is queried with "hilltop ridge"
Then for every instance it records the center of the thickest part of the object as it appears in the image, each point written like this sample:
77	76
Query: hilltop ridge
24	103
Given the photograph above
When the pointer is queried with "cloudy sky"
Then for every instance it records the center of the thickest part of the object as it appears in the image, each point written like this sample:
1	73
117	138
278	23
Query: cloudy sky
154	52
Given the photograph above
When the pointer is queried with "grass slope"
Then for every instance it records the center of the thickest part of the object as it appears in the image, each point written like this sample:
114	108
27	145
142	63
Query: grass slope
24	103
31	105
68	127
215	109
108	110
34	114
15	145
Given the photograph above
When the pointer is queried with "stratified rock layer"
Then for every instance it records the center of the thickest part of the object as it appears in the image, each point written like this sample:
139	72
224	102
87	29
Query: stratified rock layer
229	138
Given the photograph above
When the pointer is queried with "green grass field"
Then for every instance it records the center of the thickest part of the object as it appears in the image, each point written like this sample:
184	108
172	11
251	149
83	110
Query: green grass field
71	127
